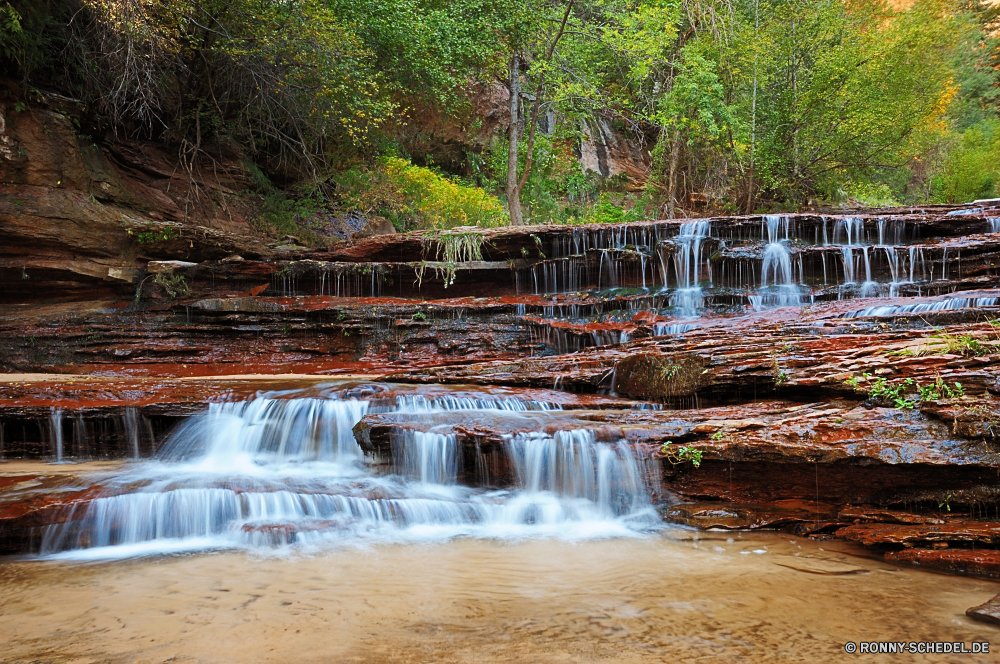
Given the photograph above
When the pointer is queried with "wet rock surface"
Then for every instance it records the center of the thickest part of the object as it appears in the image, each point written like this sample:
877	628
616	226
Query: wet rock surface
988	612
833	375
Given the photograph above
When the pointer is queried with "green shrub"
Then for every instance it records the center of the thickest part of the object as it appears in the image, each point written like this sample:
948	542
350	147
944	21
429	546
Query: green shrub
682	454
869	194
972	167
417	197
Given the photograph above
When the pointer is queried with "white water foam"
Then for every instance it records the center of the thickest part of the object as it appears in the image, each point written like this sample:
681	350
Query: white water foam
286	472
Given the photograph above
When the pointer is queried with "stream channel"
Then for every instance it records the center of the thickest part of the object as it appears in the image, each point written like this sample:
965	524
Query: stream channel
261	532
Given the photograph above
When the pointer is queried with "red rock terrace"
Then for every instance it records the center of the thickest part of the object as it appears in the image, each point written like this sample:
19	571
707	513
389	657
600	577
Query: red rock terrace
835	376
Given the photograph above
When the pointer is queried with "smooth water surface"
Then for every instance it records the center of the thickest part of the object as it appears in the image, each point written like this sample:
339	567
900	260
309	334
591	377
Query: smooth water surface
674	596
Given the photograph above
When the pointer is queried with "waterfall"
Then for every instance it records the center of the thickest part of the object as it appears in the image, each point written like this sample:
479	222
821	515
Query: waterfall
687	266
869	288
894	270
848	255
994	223
242	434
917	255
574	465
56	433
431	458
947	304
777	284
852	228
132	430
421	404
673	328
775	226
777	265
282	471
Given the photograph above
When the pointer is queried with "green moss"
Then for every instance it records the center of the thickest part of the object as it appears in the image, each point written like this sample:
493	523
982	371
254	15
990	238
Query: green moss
659	377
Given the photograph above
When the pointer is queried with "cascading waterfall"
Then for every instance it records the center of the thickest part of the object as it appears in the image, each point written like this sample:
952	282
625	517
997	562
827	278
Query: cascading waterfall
917	257
132	429
421	404
849	231
777	285
673	328
56	436
704	268
869	288
687	266
777	265
895	270
278	471
575	465
947	304
848	255
244	434
431	458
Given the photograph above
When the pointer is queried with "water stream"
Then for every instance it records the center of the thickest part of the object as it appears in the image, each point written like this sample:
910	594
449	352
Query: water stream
676	596
285	470
674	273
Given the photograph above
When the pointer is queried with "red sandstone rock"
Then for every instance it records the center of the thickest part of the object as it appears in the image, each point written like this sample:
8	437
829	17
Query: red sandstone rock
988	612
978	562
977	533
864	514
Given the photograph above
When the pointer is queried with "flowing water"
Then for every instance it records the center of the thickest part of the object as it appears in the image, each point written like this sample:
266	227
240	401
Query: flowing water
675	273
260	532
285	470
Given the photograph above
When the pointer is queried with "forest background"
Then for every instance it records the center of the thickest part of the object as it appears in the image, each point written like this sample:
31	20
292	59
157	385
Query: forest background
401	109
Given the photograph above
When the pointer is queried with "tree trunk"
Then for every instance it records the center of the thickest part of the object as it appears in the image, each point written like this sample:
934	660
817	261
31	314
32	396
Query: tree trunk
513	190
675	157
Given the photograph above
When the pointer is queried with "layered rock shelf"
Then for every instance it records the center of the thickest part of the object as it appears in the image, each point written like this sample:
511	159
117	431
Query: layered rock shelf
835	375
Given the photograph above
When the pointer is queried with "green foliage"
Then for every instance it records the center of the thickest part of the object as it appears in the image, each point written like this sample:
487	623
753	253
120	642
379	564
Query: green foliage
416	197
669	371
764	104
420	316
607	211
154	236
971	169
458	247
777	374
868	194
883	391
681	454
966	345
940	390
174	284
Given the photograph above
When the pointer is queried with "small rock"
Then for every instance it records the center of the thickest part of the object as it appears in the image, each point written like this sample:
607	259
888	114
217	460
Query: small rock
235	258
978	562
988	612
125	274
163	267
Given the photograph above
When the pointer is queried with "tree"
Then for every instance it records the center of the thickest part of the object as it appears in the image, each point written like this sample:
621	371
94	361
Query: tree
515	184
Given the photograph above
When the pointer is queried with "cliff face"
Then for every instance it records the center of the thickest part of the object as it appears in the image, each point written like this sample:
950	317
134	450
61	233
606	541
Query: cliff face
82	216
448	140
81	219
